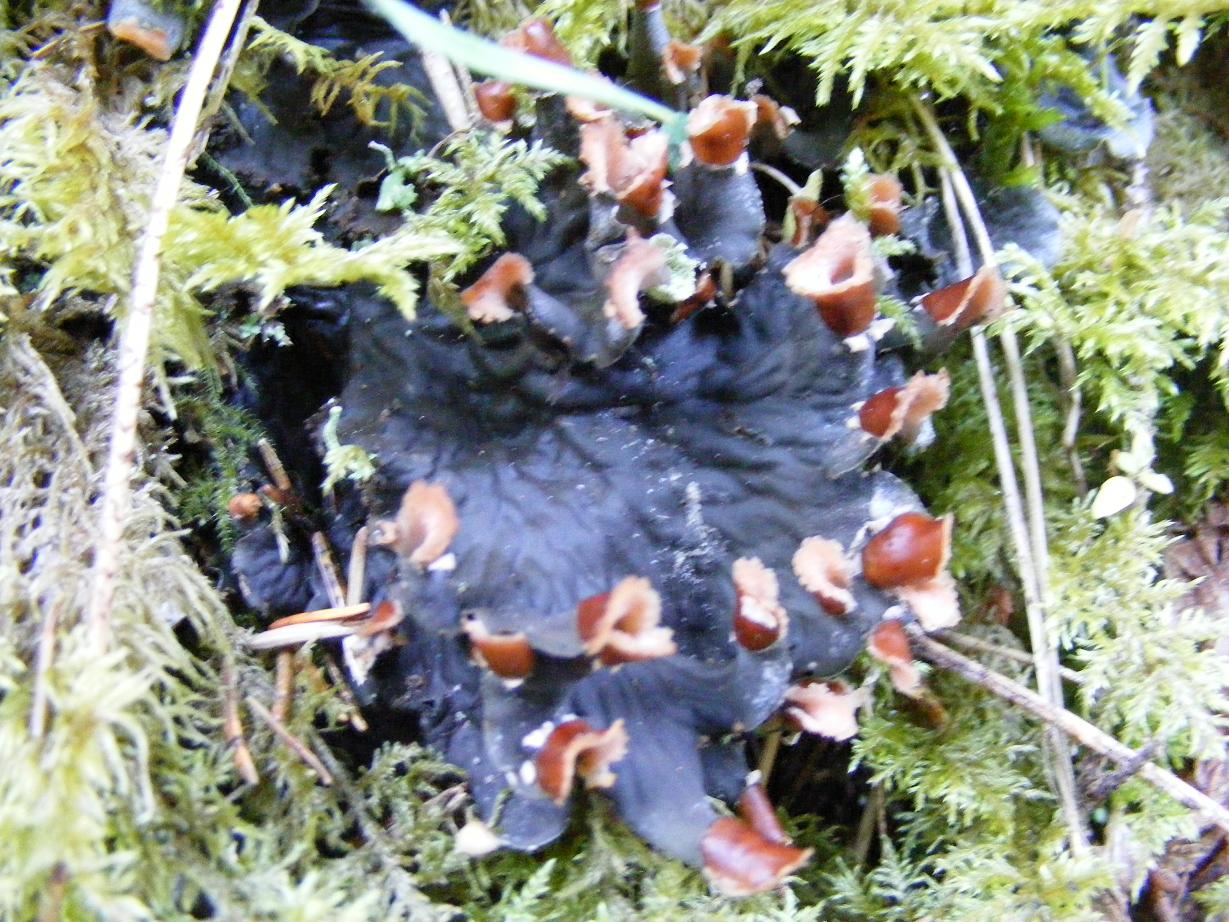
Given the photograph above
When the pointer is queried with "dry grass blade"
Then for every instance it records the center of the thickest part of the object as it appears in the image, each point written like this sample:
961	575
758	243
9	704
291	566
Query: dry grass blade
294	634
327	567
1024	533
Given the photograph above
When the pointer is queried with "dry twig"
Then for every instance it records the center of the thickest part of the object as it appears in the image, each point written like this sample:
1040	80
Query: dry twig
1071	426
448	89
871	816
327	567
1075	727
356	570
273	464
353	713
768	757
994	649
134	340
773	173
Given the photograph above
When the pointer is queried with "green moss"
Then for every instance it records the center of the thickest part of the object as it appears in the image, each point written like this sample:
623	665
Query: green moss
130	805
466	189
74	187
373	103
226	436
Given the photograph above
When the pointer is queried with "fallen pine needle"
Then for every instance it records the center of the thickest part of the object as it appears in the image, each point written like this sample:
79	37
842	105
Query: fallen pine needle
342	613
232	726
300	749
283	684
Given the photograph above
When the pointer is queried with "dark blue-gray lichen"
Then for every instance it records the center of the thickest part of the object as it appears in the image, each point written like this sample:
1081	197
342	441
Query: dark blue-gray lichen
578	451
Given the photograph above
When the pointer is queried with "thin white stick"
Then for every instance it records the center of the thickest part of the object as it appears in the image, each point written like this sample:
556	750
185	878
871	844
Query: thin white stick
1071	426
356	571
447	86
42	665
773	173
134	340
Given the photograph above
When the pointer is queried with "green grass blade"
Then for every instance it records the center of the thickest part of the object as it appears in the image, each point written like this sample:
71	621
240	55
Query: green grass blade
486	57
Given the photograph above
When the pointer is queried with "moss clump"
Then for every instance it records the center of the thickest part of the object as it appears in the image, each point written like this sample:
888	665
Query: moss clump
120	795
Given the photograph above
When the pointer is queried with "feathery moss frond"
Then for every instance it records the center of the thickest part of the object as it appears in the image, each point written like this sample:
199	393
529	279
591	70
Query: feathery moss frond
373	102
275	247
469	185
952	48
74	183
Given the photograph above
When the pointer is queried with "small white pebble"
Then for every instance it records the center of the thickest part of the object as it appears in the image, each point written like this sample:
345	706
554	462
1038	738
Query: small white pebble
476	839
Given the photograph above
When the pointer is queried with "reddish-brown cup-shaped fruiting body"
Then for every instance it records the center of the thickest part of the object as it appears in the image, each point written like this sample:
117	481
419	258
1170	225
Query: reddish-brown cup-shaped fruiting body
496	295
902	410
879	416
243	507
912	549
828	709
759	619
964	303
426	523
719	128
586	111
740	861
576	748
934	601
838	274
706	292
496	101
156	31
680	61
387	615
806	218
908	558
772	117
639	268
279	496
507	655
757	811
890	645
633	172
537	37
623	625
824	571
885	194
